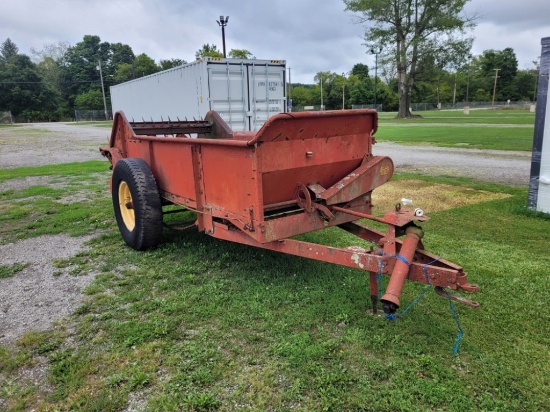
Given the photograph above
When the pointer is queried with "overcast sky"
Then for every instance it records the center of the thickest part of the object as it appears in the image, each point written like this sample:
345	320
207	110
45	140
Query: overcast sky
311	35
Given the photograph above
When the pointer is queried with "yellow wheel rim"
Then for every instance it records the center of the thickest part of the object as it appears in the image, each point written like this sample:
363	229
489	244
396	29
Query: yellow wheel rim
126	206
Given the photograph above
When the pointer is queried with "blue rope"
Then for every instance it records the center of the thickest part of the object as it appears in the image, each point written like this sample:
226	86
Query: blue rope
455	316
402	259
425	269
394	316
416	300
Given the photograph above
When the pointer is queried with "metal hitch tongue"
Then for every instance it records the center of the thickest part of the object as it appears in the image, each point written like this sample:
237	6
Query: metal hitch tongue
390	301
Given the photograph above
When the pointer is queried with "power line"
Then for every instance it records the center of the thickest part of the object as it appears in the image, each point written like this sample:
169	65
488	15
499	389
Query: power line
47	81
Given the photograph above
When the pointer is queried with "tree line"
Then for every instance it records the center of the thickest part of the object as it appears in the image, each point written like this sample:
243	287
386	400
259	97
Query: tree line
472	81
59	78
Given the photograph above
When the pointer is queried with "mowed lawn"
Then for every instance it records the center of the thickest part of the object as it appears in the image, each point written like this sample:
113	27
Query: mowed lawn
200	324
481	129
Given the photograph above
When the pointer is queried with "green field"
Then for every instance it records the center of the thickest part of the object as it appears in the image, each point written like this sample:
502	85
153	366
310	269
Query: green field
201	324
481	129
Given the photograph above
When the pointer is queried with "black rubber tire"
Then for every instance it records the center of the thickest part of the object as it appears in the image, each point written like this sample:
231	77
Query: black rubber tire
137	204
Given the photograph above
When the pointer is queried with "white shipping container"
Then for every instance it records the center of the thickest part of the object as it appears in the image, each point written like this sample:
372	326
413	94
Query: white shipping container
244	92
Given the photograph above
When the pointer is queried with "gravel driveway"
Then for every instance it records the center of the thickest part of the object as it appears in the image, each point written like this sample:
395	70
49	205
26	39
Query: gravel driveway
50	143
36	297
33	299
498	166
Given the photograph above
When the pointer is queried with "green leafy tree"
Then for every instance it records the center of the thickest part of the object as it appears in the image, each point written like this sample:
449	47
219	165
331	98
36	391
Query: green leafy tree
411	30
240	54
303	95
507	64
208	50
22	91
141	66
144	65
333	89
124	72
81	73
51	63
361	92
360	70
169	64
525	82
8	49
120	54
90	100
324	82
482	95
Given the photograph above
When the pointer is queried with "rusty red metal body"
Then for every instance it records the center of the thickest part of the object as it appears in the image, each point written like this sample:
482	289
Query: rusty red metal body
299	173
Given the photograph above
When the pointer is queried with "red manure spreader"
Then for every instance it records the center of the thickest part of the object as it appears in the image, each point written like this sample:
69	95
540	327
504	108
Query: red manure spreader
298	173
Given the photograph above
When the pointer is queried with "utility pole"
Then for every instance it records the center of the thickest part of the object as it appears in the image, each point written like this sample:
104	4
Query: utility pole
495	87
222	23
289	98
376	50
102	89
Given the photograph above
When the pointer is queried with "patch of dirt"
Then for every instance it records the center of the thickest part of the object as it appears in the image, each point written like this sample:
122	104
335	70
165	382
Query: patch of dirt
24	183
430	197
36	297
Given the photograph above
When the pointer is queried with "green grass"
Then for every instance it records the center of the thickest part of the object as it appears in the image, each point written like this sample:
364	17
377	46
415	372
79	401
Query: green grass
31	131
77	206
7	271
200	324
488	116
65	169
101	123
482	129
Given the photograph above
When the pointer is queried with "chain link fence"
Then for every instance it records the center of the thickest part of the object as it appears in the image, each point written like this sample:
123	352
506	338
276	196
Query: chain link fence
378	107
421	107
521	105
92	115
318	107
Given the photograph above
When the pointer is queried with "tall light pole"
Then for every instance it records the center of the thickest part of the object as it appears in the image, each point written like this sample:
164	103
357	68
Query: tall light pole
468	85
321	79
222	23
376	50
102	89
343	91
495	88
468	63
454	92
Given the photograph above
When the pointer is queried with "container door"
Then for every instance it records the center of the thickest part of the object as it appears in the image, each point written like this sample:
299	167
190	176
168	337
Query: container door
266	93
228	94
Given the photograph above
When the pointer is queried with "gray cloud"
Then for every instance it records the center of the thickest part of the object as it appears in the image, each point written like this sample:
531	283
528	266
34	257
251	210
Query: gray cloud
311	35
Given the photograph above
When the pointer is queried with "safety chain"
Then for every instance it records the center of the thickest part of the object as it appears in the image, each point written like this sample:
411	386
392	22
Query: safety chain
394	316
